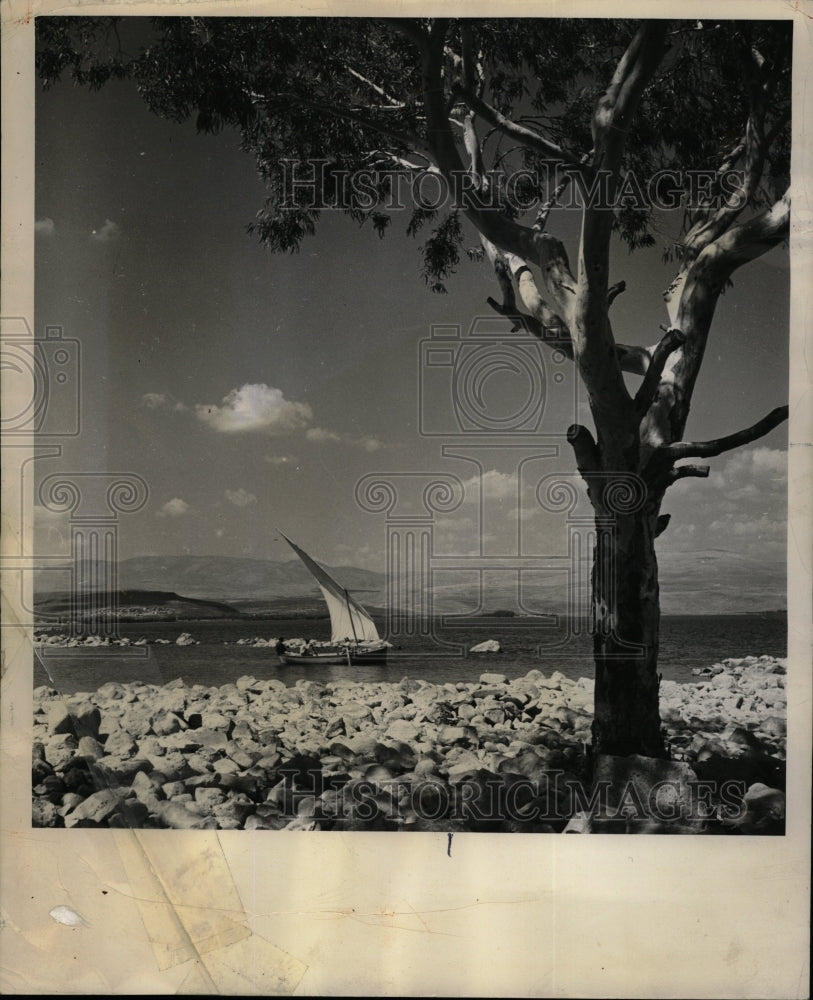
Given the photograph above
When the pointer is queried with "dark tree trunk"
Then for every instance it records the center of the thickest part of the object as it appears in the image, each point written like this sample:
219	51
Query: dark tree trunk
626	621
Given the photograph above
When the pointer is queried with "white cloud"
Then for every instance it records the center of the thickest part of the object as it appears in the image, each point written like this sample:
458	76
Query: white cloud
240	497
369	443
320	435
742	505
255	408
174	508
105	233
753	470
280	459
155	400
162	401
44	227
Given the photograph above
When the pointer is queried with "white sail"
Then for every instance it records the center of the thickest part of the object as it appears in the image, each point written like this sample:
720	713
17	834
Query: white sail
348	619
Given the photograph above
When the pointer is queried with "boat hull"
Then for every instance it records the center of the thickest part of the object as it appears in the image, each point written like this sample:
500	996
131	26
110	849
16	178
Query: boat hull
353	657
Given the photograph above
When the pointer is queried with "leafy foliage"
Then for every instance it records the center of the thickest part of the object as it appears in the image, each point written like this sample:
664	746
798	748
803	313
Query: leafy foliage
349	93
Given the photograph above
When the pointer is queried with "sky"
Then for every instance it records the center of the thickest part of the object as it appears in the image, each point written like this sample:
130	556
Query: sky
252	392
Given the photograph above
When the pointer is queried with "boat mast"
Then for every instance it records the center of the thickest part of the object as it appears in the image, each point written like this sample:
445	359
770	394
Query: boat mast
350	612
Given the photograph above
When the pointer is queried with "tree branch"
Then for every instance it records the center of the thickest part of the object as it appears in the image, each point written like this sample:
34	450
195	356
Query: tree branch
646	391
687	472
751	239
614	291
708	449
527	137
499	230
593	339
406	140
409	29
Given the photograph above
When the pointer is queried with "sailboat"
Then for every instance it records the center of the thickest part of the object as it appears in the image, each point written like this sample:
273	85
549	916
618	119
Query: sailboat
354	639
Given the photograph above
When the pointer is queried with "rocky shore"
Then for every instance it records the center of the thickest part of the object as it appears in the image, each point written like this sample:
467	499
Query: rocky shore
494	755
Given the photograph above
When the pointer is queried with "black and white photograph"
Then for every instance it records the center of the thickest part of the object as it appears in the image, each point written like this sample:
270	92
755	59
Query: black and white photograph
403	431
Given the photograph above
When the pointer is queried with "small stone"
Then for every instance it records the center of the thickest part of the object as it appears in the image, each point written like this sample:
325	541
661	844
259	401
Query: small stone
120	744
44	814
400	729
178	817
166	724
225	765
215	721
451	734
208	798
493	679
70	800
90	748
241	758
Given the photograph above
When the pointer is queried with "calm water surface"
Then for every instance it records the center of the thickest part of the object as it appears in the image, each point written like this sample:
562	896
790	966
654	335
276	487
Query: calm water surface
687	641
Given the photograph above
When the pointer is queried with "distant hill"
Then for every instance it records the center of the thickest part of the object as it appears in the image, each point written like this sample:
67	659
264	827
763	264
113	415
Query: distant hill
137	605
223	578
709	582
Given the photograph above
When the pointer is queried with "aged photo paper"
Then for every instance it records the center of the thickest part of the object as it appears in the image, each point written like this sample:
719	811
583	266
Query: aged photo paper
199	388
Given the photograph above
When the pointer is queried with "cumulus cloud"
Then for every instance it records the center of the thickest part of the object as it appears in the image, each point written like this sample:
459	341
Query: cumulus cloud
756	470
742	505
240	497
174	508
44	227
255	408
105	233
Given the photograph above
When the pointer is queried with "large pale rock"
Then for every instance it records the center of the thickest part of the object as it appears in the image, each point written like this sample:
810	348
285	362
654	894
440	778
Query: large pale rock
185	639
488	646
120	770
59	750
95	810
401	729
59	719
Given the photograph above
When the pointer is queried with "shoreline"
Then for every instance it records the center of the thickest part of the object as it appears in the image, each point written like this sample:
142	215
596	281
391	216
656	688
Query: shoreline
494	754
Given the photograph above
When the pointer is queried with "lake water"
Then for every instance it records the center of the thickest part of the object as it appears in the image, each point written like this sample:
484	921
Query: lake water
687	642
